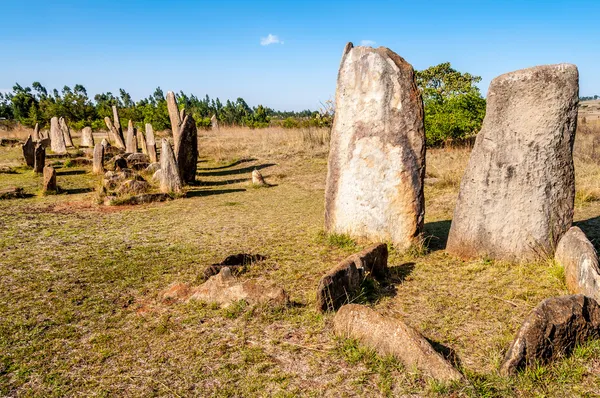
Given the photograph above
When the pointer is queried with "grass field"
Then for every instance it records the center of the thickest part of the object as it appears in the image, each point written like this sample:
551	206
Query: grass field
81	310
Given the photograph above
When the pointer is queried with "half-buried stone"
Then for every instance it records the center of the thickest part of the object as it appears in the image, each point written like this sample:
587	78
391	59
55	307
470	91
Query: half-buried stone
580	261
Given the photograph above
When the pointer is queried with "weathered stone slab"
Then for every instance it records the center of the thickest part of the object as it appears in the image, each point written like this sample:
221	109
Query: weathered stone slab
174	116
580	261
131	143
342	283
258	179
151	143
224	289
377	155
39	158
87	138
57	139
29	151
516	197
49	179
551	330
214	123
114	134
98	165
62	122
170	181
390	336
142	142
35	136
186	150
12	193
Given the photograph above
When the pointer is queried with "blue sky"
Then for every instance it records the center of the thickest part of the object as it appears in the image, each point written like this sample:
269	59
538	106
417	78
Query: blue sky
214	47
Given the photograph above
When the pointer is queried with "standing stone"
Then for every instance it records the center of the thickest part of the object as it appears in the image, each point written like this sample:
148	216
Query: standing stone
36	133
142	141
87	138
579	259
66	132
105	143
40	158
186	149
258	179
57	139
131	144
214	123
49	184
174	116
29	151
116	120
151	143
377	157
170	181
114	134
98	165
517	195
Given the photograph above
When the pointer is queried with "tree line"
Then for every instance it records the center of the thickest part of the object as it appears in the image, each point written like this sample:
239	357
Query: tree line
454	107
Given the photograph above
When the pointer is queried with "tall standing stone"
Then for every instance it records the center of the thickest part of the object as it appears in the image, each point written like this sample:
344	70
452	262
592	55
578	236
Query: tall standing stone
116	121
151	143
131	144
98	164
114	134
87	138
174	116
377	156
29	151
35	136
516	197
186	149
214	123
57	139
141	137
40	158
49	183
66	132
170	181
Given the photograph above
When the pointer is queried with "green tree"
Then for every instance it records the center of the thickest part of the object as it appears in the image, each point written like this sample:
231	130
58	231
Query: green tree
454	107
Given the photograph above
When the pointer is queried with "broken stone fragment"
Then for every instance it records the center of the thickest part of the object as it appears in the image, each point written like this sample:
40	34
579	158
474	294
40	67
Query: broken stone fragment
391	336
551	330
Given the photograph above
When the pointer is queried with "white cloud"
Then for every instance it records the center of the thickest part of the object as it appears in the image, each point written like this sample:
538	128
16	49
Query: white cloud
270	39
368	43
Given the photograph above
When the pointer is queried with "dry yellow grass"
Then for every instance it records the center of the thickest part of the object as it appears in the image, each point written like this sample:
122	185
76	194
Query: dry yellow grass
80	301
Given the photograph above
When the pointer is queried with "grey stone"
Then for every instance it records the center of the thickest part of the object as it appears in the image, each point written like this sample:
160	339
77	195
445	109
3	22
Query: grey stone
57	139
391	336
377	154
115	134
224	289
151	143
551	330
131	144
87	138
153	168
186	149
39	158
258	179
174	116
142	141
29	151
62	122
35	136
214	123
580	261
516	197
49	179
170	181
98	166
342	284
